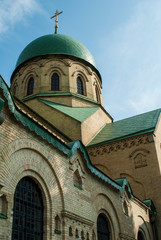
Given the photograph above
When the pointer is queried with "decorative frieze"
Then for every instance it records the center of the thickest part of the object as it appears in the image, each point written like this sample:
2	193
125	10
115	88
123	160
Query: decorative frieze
117	146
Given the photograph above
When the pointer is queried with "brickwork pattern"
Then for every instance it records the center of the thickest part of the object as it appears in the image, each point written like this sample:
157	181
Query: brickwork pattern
22	153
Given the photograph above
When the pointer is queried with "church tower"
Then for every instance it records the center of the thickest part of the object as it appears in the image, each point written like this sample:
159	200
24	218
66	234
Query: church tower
56	76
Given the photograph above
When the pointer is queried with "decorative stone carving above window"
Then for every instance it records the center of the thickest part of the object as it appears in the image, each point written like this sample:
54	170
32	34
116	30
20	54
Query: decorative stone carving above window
75	164
78	173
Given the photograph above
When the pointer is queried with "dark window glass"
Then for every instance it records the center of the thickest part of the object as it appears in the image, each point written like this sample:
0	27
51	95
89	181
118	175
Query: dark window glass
30	87
140	236
80	86
27	211
103	231
55	82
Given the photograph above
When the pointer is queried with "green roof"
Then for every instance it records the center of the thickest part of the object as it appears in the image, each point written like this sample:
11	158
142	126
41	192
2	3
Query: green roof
55	44
128	127
78	113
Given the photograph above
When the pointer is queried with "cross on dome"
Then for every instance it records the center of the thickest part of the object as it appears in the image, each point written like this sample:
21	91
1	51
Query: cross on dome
56	20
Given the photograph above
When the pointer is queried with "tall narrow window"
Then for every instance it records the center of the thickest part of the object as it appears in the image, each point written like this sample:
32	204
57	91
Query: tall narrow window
27	211
55	82
30	87
103	231
80	86
97	94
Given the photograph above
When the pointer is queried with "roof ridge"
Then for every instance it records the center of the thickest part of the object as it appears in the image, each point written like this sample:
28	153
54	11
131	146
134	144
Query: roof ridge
158	109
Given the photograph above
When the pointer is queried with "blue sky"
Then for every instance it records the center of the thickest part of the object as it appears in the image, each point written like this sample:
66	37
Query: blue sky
124	36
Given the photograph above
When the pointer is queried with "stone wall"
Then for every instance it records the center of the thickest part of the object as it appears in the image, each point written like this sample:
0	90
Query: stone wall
67	206
138	160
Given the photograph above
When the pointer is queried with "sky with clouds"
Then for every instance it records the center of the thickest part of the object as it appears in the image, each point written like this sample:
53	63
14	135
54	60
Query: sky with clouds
123	36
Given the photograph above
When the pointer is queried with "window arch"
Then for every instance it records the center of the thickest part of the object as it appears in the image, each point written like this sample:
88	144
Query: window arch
103	231
80	89
140	236
27	211
30	87
55	82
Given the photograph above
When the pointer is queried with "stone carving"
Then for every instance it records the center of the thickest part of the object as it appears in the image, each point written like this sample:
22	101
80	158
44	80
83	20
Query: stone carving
74	165
140	160
139	157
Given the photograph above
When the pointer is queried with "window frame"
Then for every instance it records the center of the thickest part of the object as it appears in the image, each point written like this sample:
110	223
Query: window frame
52	86
25	205
30	86
80	85
100	234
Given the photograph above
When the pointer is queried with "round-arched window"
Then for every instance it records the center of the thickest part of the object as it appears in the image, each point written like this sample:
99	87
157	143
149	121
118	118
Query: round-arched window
103	230
80	86
55	82
27	211
97	94
30	87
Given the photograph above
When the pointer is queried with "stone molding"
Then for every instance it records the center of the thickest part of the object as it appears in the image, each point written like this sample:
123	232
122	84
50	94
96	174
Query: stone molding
77	218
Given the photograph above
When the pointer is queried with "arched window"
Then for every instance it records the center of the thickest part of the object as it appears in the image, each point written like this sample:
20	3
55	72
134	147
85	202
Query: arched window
140	236
80	86
57	225
103	231
82	235
76	233
97	94
70	231
27	211
30	87
55	82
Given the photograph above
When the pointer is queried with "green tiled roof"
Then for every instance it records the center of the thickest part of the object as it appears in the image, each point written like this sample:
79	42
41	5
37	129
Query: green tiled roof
132	126
55	44
78	113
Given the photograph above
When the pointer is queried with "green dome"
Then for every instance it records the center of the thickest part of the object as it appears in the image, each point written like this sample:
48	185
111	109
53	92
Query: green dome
55	44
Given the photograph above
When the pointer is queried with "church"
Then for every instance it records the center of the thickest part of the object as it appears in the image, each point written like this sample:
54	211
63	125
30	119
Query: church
67	169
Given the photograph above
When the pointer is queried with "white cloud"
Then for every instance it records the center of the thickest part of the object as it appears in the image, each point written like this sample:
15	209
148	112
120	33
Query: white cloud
15	11
134	60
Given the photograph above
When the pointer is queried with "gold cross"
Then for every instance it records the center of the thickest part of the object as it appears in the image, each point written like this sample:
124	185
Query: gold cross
56	20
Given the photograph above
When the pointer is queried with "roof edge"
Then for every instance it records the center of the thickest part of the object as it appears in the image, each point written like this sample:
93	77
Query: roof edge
121	138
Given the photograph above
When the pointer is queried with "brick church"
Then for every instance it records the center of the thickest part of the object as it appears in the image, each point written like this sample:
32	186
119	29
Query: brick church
67	169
